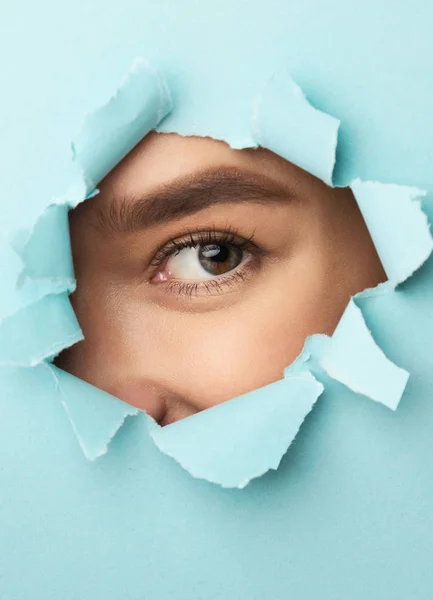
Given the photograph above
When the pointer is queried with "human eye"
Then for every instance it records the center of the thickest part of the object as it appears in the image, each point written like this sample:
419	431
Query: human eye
205	262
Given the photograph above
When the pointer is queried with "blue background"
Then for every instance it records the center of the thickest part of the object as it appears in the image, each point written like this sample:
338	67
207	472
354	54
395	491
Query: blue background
349	513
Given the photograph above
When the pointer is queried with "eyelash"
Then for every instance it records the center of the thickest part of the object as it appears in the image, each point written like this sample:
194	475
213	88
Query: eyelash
201	238
211	287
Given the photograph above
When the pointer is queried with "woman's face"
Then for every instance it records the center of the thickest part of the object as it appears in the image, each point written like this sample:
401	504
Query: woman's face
201	270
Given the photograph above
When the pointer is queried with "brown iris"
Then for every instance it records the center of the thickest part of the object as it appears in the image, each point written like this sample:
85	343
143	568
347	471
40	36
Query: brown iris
218	259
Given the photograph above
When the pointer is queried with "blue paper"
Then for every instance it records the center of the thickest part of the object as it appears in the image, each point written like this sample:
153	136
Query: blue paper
348	512
353	358
108	134
398	226
284	122
39	331
237	441
94	415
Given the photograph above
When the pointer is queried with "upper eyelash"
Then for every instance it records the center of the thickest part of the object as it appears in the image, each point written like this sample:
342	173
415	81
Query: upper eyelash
201	238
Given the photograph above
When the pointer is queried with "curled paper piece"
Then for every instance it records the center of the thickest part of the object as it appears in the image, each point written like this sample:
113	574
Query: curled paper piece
401	234
397	224
310	355
36	317
95	416
37	263
285	122
108	134
234	442
39	332
353	358
229	444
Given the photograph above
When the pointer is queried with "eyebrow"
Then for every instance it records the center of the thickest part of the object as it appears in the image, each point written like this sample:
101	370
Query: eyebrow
188	195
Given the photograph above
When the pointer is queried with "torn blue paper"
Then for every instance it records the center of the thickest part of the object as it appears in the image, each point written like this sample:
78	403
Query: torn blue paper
39	331
359	480
229	444
141	102
310	355
36	317
285	122
397	224
308	138
48	268
95	416
234	442
37	262
353	358
401	234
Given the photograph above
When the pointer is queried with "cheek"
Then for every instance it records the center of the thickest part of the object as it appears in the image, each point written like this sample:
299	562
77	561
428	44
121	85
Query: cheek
214	357
205	357
209	357
232	357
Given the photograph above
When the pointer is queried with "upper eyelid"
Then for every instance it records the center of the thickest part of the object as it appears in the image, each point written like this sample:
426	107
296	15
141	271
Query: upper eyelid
192	239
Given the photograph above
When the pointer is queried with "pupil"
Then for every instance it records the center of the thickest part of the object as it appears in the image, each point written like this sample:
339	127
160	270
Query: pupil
216	259
216	253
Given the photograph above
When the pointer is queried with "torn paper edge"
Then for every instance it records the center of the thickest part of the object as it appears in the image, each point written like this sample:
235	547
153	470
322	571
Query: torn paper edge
196	473
79	191
382	381
139	104
304	135
287	101
129	411
390	379
126	109
388	228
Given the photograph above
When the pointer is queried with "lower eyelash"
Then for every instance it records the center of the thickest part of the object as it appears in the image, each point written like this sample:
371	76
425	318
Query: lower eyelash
190	289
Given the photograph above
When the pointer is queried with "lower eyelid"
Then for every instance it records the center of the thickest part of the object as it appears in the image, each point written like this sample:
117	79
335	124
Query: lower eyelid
215	286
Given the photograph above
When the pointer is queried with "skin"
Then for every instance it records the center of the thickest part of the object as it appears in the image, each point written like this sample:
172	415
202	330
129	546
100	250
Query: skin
171	343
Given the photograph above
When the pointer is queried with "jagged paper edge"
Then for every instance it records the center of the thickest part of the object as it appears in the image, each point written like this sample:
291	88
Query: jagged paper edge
273	113
281	100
